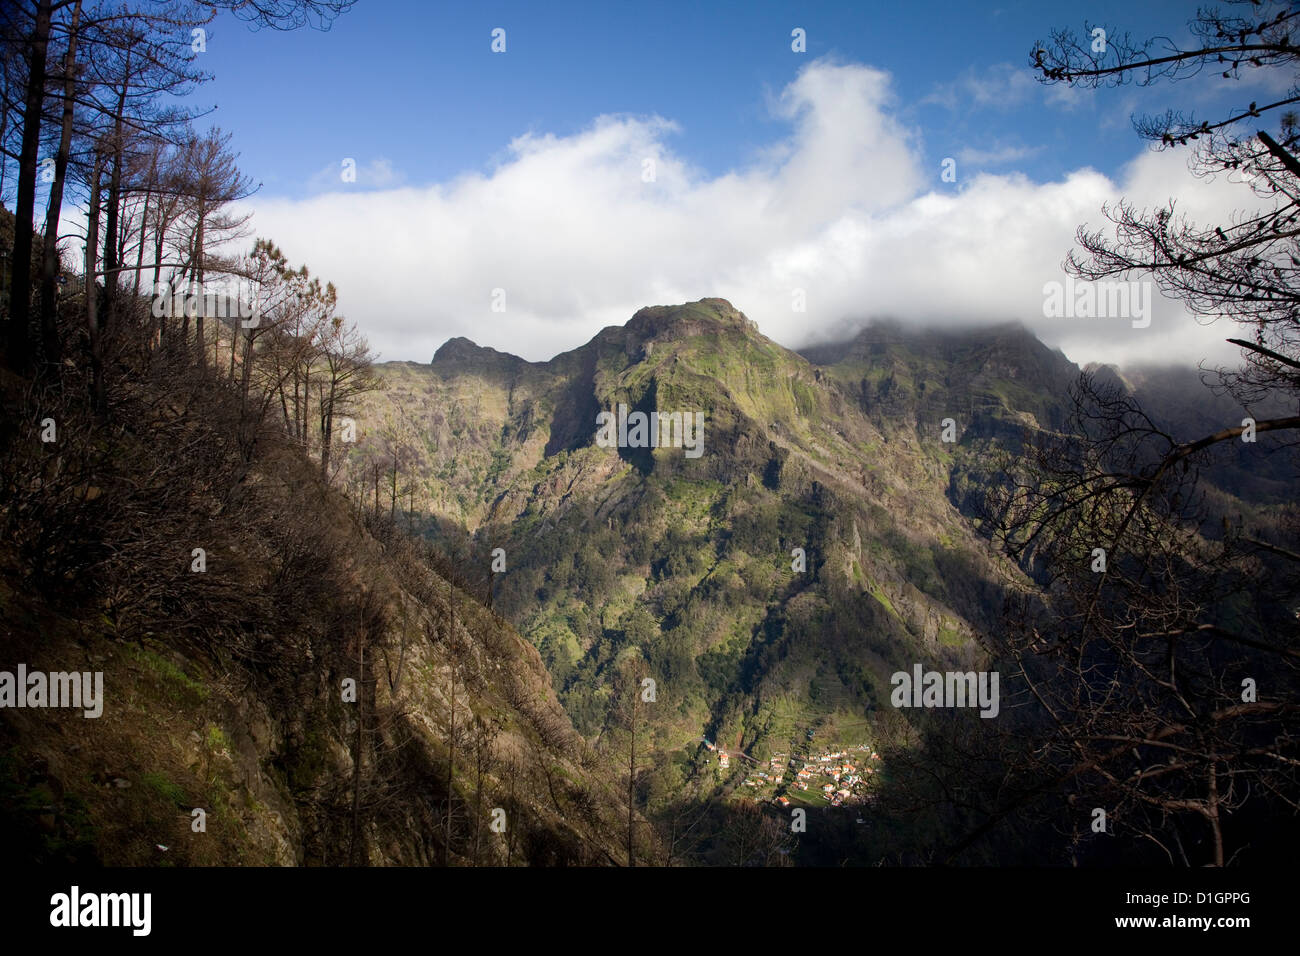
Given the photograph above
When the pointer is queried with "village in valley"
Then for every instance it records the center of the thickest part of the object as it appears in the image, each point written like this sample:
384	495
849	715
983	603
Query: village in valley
836	775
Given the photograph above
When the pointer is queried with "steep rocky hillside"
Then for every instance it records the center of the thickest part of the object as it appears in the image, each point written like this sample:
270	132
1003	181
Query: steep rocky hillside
690	563
314	682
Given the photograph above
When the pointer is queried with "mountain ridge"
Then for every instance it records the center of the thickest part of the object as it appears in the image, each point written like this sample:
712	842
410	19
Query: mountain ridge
851	436
788	447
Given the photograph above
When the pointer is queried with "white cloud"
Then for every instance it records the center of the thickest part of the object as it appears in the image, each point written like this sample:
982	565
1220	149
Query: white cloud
844	208
997	156
376	174
1000	86
1069	96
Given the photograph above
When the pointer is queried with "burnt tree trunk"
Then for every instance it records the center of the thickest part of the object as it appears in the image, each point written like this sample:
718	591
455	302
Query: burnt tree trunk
20	286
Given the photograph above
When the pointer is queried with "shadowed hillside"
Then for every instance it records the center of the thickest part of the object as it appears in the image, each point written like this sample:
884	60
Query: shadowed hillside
230	599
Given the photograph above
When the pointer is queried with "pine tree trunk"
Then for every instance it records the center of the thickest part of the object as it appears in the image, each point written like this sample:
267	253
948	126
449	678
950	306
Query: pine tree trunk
114	200
356	760
198	268
50	255
20	286
327	432
139	249
631	782
92	314
451	733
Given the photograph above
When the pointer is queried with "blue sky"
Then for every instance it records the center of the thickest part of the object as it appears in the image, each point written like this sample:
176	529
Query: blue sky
415	83
777	171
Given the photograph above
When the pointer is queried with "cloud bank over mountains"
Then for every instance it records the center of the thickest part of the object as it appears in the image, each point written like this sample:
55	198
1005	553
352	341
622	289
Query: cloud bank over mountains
582	230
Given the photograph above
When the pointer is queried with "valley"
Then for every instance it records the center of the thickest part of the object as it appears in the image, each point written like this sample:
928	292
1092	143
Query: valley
827	538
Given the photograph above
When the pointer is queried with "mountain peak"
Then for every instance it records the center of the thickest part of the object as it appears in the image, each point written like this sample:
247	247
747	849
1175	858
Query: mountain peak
1109	375
461	349
689	318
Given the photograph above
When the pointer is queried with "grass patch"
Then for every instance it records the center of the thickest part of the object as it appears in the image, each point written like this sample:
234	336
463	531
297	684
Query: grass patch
180	687
950	637
876	592
216	739
163	786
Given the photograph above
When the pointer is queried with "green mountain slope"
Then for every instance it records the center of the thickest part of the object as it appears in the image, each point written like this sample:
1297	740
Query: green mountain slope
689	563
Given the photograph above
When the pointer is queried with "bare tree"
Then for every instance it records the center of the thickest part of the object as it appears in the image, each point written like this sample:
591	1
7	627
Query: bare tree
1145	650
142	51
348	373
627	726
213	184
50	254
1244	270
484	736
1148	651
39	15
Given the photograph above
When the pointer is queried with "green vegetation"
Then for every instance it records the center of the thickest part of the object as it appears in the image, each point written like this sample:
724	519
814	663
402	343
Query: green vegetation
164	788
180	687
